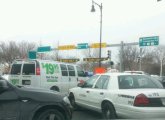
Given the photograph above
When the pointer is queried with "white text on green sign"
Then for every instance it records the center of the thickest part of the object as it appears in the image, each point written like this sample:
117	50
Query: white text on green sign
82	46
149	41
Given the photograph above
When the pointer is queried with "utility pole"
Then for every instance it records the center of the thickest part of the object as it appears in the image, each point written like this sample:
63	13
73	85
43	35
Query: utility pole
140	60
161	64
101	15
121	56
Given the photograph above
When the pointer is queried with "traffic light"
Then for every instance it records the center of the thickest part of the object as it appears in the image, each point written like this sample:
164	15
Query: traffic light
111	63
109	54
139	59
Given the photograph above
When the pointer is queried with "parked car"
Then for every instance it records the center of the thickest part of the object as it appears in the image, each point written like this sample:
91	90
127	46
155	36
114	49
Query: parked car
122	95
6	76
21	103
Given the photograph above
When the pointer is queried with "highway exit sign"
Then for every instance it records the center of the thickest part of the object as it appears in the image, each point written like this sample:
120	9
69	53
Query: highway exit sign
149	41
32	54
44	49
82	46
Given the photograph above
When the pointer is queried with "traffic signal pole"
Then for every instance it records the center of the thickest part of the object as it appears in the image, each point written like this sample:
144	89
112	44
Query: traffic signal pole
121	45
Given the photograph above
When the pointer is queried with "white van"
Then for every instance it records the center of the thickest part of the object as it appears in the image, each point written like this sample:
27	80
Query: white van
47	74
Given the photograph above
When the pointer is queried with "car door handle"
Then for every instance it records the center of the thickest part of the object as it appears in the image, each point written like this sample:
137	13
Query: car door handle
101	93
87	91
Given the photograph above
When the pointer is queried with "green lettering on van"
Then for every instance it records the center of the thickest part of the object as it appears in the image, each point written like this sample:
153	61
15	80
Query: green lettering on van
14	81
56	68
51	80
50	68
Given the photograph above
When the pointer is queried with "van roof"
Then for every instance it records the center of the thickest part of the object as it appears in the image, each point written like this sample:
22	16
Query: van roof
39	60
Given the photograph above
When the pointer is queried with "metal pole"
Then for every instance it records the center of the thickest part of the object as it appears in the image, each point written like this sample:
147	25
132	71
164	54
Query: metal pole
100	35
121	56
161	65
140	62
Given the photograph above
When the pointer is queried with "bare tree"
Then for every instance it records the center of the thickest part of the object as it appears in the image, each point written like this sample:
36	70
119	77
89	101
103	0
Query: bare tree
12	50
24	48
130	56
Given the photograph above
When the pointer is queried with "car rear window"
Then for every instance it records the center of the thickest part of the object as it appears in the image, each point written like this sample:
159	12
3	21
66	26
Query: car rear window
16	69
137	82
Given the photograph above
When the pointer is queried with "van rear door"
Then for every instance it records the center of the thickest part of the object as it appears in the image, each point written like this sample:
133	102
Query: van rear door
64	78
29	77
15	73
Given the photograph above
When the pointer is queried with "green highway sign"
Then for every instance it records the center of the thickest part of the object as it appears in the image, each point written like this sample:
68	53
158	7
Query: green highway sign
32	54
44	49
149	41
82	46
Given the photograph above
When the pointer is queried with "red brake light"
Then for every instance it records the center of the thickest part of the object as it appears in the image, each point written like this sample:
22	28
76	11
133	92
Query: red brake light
37	71
141	100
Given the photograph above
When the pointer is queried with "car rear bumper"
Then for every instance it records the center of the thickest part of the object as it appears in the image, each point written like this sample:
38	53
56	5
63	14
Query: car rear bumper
141	113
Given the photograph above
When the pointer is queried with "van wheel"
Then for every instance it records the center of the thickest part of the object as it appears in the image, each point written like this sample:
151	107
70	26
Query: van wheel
55	88
50	114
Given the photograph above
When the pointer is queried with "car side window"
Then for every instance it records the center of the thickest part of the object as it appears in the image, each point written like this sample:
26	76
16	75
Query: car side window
125	82
64	70
90	82
102	82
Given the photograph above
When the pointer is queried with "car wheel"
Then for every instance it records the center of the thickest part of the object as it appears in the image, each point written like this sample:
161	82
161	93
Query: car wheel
50	114
72	102
55	88
108	111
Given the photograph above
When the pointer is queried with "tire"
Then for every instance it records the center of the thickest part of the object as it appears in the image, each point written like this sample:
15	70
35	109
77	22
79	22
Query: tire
72	102
51	114
55	88
108	111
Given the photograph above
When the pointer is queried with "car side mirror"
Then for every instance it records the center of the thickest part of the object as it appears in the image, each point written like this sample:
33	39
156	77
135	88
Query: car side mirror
3	85
81	83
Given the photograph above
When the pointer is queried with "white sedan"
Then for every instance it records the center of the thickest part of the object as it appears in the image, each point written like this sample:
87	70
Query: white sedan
121	95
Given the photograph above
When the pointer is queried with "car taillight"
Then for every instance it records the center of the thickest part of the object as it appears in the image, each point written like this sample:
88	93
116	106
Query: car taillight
37	71
141	100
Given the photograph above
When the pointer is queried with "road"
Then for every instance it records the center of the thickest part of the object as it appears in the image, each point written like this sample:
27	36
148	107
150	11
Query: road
86	114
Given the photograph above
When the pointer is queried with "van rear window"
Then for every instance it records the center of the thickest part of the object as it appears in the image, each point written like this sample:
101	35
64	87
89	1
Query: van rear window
16	69
28	69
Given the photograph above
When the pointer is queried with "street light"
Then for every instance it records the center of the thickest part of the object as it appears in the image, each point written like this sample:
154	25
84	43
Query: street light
93	10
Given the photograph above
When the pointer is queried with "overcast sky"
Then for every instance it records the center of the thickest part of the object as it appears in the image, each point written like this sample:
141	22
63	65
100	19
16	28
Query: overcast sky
70	21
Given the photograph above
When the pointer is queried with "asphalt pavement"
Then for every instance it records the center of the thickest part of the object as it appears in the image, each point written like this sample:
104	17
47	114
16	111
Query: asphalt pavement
86	115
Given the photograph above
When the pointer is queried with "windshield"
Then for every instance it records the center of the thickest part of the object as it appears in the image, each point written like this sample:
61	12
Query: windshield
138	82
